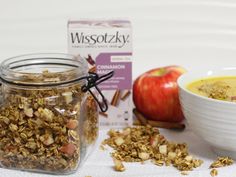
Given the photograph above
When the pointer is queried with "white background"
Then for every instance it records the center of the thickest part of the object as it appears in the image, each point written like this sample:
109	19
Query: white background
191	33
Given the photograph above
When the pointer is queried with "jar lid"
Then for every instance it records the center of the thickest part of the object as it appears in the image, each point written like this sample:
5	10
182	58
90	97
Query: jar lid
49	69
43	69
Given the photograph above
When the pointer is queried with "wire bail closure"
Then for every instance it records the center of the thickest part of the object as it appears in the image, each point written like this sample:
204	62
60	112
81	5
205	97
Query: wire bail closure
92	81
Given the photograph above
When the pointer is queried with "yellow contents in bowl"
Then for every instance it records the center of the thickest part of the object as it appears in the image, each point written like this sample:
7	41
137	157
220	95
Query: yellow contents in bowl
220	88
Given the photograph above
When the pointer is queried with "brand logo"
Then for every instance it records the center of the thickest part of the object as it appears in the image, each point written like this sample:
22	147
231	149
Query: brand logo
93	39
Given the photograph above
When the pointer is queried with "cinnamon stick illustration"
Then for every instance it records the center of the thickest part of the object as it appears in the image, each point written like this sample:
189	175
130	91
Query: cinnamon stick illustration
90	60
93	69
160	124
116	98
125	95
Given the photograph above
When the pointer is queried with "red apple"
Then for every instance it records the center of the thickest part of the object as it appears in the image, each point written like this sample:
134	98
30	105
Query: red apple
155	94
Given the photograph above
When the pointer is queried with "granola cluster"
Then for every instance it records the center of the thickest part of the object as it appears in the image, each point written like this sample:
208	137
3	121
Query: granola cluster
141	143
45	128
220	162
214	172
91	123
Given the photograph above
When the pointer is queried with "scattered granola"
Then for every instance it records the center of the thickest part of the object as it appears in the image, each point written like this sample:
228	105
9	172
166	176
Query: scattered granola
42	129
141	143
118	165
184	173
222	162
214	172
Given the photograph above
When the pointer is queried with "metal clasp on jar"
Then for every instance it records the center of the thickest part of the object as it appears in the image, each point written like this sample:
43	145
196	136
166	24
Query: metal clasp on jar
92	81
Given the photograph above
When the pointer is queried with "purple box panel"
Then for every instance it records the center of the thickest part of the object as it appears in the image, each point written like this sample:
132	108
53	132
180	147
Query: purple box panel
122	78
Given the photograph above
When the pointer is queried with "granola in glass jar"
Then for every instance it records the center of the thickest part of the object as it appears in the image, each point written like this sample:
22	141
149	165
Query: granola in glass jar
47	121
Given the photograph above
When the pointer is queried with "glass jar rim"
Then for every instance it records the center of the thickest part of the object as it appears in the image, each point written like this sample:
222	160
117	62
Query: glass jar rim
16	69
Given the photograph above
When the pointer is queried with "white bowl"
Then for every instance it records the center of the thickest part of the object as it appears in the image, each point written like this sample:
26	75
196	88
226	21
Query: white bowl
213	120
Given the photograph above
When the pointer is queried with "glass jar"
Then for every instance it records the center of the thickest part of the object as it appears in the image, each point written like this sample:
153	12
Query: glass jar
48	120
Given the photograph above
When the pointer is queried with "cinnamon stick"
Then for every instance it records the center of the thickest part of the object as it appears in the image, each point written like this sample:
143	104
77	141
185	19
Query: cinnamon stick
115	98
103	114
136	122
140	117
160	124
125	95
167	125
